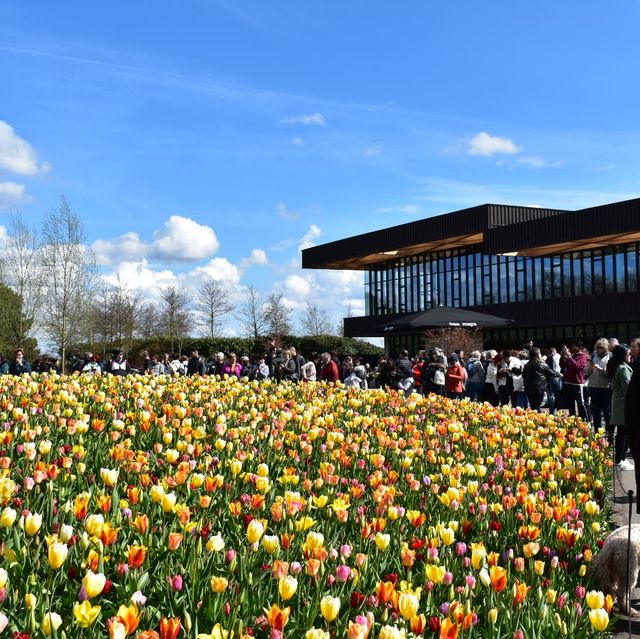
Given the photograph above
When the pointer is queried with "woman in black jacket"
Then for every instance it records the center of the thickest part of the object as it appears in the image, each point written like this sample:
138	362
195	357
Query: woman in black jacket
536	375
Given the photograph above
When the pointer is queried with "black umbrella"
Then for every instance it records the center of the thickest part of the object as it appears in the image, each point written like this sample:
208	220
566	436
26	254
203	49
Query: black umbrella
444	317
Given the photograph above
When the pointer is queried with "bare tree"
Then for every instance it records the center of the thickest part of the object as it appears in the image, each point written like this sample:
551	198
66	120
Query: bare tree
68	274
115	314
277	315
251	314
21	270
149	321
349	313
315	321
213	303
175	316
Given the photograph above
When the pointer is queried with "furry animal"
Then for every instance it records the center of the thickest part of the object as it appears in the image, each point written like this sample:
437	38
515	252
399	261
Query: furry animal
609	566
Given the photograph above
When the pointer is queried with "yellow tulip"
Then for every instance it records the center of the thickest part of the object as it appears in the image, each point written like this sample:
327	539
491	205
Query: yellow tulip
493	616
391	632
408	605
599	619
215	543
57	554
255	530
32	523
329	607
109	476
51	622
382	541
93	524
93	583
314	540
30	601
435	573
595	599
4	576
219	584
263	470
271	544
316	633
7	517
287	587
85	613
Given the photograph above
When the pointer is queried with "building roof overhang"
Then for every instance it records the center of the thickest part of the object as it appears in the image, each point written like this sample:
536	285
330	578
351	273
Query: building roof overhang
500	229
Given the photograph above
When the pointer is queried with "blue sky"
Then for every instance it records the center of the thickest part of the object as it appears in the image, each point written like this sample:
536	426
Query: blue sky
214	138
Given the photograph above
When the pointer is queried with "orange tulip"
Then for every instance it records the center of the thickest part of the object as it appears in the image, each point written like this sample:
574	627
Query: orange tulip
141	524
169	627
520	592
148	634
129	617
278	617
498	576
108	535
136	555
384	591
418	624
174	541
448	629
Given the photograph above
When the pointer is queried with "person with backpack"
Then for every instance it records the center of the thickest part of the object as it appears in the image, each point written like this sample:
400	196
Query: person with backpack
475	377
434	379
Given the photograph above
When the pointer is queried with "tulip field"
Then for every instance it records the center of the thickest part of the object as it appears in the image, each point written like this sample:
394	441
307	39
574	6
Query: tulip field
159	507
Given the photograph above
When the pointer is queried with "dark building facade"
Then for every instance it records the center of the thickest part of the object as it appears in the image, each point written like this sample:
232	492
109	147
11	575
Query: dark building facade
558	274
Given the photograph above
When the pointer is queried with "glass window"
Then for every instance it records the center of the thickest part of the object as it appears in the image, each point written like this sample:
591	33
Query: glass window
632	267
576	259
547	278
495	280
598	273
621	271
538	278
567	279
609	275
520	280
587	273
556	265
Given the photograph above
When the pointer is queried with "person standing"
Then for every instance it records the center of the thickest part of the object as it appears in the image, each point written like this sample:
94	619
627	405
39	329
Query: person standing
454	378
619	372
598	380
632	411
573	363
536	375
329	371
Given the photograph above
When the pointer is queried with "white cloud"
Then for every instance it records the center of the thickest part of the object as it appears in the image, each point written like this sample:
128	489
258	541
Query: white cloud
221	269
297	141
127	247
378	149
300	286
309	119
308	239
17	155
287	213
536	162
138	276
408	209
258	257
184	240
490	145
12	194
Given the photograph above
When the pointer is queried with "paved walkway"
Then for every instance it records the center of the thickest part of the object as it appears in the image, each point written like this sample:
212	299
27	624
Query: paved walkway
623	481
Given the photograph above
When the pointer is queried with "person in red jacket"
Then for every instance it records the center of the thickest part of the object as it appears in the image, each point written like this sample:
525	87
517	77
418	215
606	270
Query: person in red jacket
454	377
573	364
329	371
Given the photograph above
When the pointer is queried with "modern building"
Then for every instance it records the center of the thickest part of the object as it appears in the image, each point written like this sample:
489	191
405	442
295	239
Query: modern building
557	274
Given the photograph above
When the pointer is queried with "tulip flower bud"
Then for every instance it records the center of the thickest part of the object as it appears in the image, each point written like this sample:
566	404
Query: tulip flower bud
329	607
